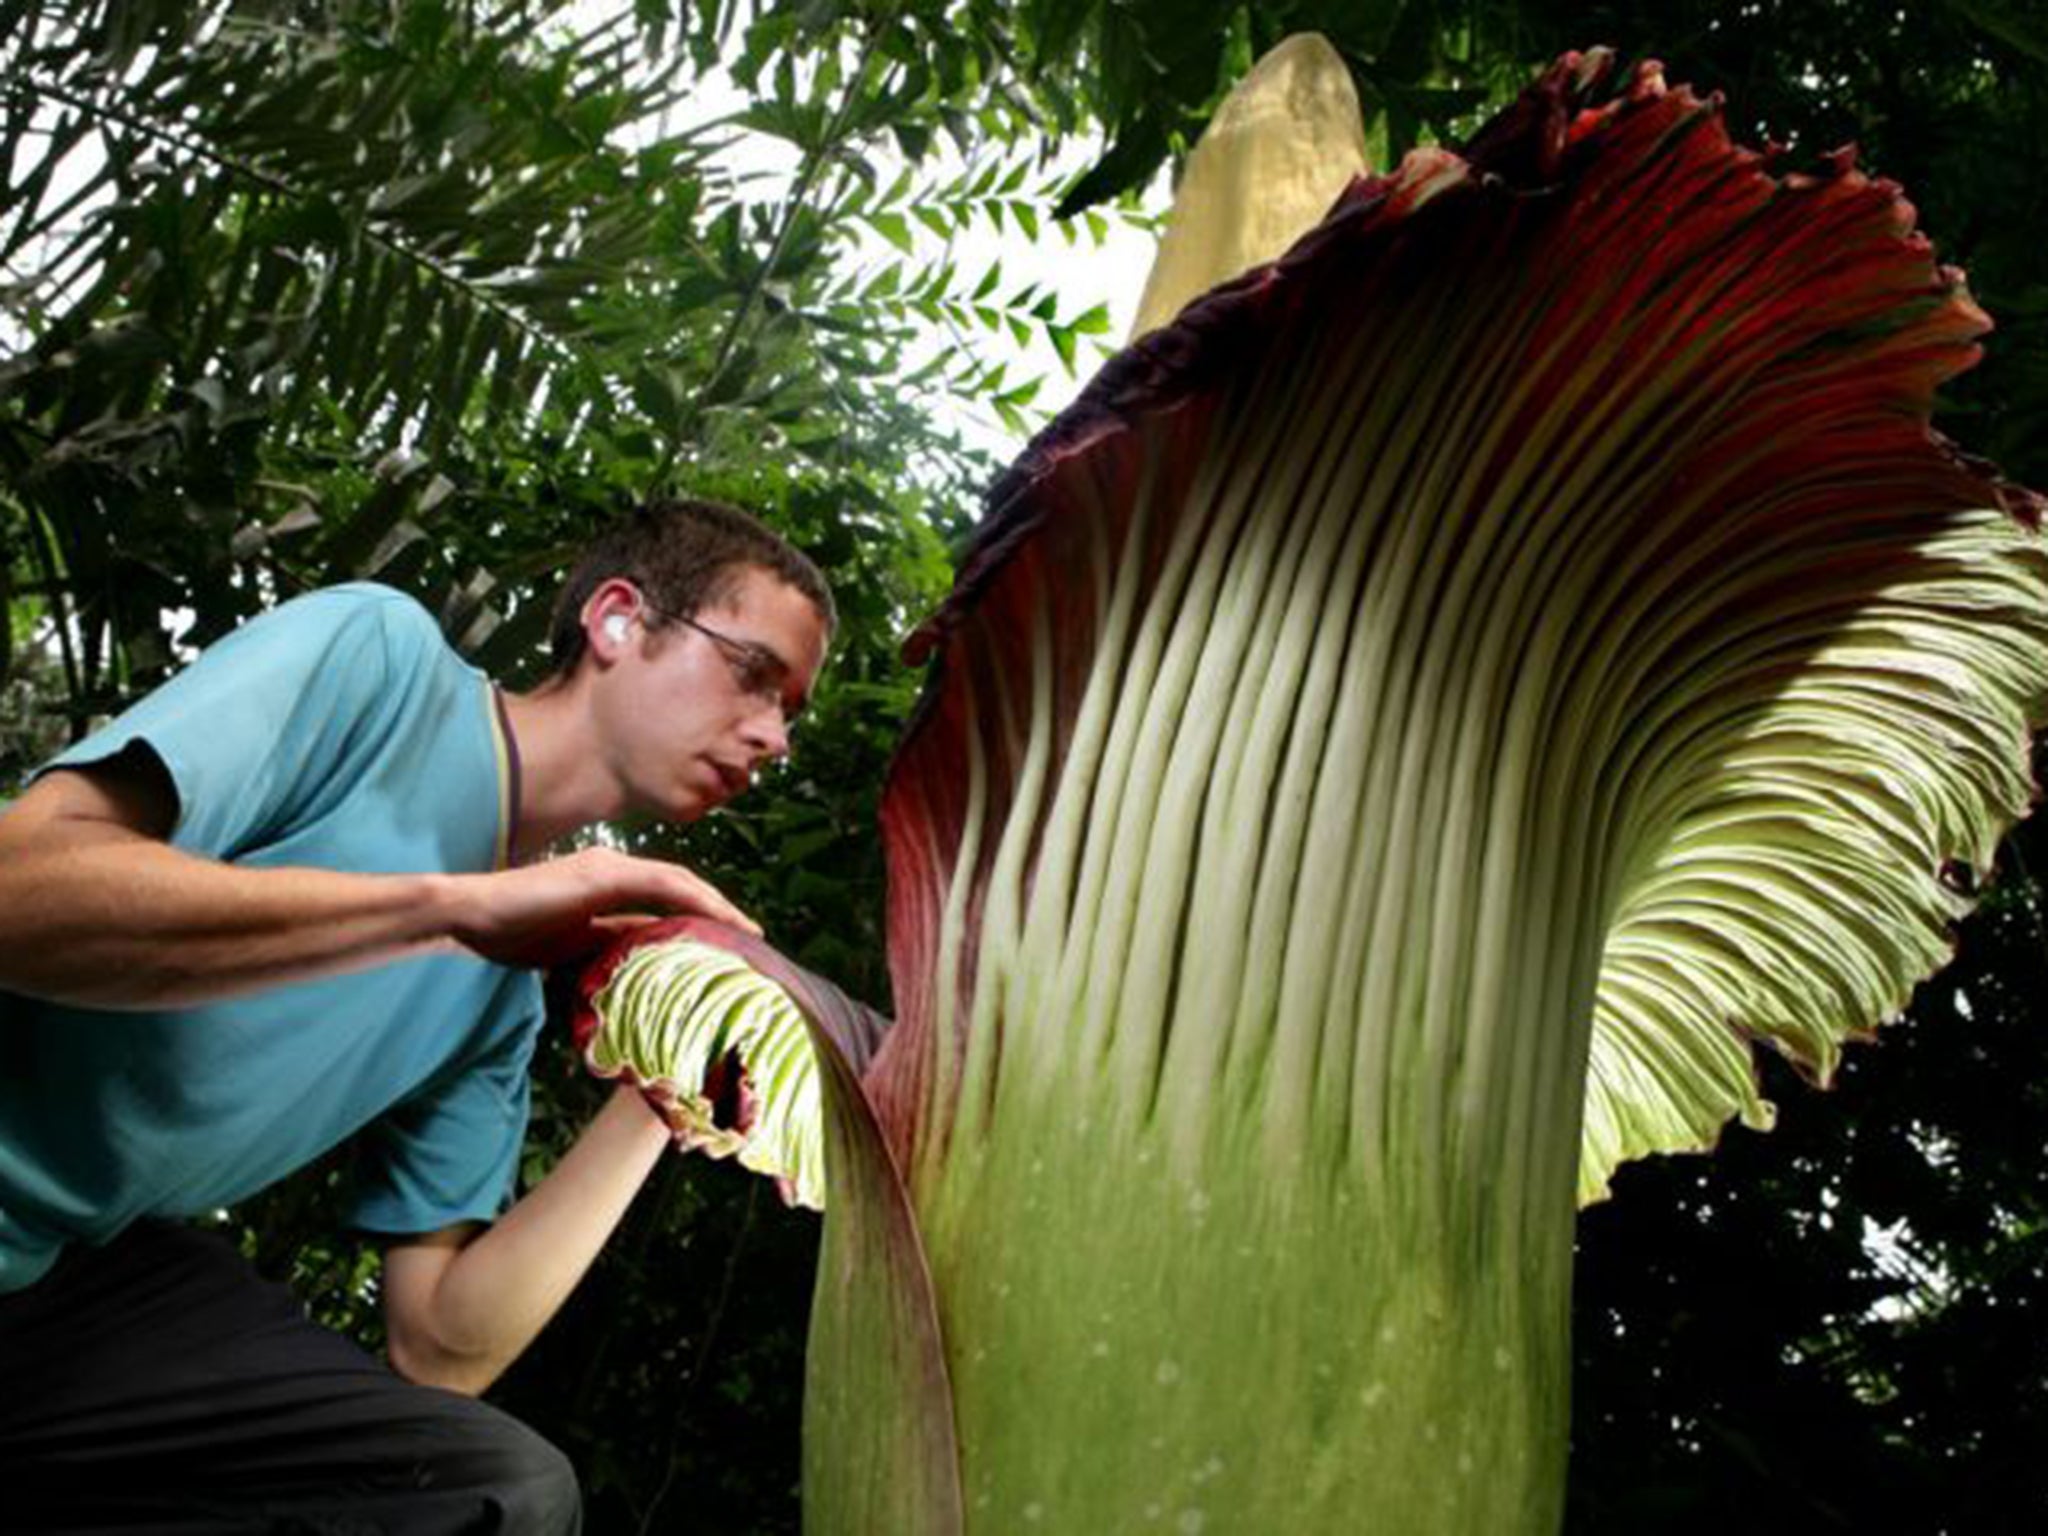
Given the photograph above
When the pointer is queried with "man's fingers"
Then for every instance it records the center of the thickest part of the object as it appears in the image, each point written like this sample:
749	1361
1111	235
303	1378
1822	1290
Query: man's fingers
708	901
559	910
681	891
612	924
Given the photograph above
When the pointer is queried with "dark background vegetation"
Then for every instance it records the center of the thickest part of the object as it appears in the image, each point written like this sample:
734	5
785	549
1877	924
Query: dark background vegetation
383	290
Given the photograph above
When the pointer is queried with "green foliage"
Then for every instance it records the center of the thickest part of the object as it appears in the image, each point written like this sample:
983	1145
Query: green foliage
426	293
302	261
921	285
420	293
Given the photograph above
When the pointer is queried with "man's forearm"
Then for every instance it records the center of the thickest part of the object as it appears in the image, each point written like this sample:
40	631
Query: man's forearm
97	910
120	921
458	1312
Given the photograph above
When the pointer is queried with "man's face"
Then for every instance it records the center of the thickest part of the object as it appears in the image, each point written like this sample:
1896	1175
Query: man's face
690	708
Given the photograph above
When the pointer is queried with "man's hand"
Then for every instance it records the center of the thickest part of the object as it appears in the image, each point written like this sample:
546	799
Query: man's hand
560	910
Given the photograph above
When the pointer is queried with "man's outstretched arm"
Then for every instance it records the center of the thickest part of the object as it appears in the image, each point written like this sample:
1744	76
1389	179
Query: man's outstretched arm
461	1304
97	910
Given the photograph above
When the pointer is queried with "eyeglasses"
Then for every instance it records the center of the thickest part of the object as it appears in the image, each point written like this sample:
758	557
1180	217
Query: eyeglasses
756	670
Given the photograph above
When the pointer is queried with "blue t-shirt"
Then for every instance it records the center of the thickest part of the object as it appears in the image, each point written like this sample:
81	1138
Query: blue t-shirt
341	732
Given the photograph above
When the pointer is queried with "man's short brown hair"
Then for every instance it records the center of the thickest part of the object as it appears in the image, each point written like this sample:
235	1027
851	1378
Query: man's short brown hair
685	555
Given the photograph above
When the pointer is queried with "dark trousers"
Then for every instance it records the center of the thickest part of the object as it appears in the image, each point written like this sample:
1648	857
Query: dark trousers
158	1384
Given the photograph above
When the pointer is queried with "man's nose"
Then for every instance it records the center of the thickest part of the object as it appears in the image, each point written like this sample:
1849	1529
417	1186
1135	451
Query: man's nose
767	734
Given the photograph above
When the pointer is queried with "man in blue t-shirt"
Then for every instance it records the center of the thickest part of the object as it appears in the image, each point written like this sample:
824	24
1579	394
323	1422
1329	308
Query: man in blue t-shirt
292	898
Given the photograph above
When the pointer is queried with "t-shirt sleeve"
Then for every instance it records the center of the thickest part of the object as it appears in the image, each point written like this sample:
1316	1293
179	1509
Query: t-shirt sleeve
450	1152
271	719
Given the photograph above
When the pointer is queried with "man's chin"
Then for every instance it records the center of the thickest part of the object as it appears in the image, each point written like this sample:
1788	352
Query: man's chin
681	806
694	804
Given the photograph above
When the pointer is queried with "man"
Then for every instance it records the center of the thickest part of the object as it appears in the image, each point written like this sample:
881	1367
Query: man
277	905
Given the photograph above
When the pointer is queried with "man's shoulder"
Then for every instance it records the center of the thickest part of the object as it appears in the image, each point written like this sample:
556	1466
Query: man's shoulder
360	603
358	625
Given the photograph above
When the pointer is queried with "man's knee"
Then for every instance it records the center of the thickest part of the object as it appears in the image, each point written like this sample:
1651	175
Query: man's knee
520	1478
545	1500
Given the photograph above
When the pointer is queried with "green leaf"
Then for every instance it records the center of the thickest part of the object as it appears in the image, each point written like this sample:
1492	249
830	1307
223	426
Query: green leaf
1062	339
2007	22
1130	160
892	227
914	139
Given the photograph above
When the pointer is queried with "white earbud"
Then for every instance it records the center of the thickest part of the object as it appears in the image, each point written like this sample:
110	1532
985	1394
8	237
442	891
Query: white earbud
615	627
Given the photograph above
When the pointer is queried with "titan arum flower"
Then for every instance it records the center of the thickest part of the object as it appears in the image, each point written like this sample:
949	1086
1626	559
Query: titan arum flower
1394	748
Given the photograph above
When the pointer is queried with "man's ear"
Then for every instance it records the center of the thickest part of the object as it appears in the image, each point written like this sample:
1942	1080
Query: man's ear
609	614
